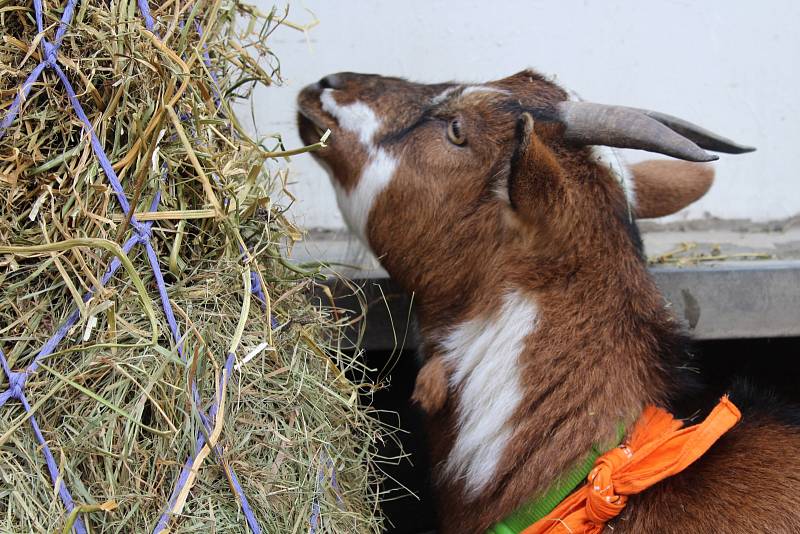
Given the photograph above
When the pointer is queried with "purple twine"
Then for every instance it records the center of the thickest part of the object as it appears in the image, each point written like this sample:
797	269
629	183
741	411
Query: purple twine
16	383
218	452
142	235
144	8
207	62
316	511
49	52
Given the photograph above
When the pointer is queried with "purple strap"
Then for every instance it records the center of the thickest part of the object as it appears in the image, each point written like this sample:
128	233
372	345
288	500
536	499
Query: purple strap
142	235
144	8
326	464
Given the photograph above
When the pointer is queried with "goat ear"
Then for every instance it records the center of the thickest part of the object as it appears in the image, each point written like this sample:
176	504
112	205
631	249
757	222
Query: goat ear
663	187
535	183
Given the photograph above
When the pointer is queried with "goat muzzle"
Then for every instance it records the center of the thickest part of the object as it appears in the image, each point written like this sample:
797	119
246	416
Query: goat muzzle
587	123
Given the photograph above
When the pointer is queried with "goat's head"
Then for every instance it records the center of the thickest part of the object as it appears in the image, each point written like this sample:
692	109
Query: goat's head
438	173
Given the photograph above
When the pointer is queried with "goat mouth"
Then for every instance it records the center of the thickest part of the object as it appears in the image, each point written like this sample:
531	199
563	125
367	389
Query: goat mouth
312	121
311	128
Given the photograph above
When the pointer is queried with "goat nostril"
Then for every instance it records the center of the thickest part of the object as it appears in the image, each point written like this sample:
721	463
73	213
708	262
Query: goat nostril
331	81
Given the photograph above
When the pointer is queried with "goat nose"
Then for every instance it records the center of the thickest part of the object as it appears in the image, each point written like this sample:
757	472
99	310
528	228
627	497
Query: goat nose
331	81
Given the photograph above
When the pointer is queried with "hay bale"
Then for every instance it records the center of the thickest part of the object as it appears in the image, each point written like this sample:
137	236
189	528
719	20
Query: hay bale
114	381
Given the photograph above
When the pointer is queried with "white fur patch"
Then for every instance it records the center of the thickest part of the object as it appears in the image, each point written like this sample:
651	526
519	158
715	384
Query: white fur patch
611	158
378	171
482	89
356	204
484	354
356	117
441	97
444	95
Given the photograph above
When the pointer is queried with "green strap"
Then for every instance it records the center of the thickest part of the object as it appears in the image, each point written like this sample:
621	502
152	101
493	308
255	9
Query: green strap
533	511
530	513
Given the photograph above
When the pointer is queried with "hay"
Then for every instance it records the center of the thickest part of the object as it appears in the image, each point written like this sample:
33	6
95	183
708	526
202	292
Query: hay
119	406
693	254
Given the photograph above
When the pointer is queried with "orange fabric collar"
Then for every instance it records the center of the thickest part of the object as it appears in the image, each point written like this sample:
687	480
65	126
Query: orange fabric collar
658	448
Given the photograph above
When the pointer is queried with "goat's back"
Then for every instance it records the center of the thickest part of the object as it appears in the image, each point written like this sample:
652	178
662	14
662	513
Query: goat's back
747	482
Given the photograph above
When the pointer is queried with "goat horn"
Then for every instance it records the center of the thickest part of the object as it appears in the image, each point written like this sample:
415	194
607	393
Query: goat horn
622	127
701	136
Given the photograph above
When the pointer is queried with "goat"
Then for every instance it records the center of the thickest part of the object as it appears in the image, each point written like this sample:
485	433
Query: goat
505	212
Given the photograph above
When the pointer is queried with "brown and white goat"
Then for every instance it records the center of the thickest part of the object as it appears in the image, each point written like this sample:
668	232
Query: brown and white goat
498	206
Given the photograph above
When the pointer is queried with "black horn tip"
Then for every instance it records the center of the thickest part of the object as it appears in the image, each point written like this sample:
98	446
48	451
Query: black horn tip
742	149
700	156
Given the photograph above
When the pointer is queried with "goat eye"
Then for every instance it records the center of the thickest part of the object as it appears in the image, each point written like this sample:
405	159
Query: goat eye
455	134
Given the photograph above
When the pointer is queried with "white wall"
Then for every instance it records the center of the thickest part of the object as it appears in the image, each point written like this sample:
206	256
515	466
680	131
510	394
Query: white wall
729	65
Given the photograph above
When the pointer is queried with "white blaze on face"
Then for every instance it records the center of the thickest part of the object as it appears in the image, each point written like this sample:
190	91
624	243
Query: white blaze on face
360	119
484	354
356	117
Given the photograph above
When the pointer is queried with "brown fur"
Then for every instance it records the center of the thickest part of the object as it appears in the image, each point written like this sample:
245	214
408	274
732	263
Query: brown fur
517	208
430	390
745	483
664	187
